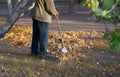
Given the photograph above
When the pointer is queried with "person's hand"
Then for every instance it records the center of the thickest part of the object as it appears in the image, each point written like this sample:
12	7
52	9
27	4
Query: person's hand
57	15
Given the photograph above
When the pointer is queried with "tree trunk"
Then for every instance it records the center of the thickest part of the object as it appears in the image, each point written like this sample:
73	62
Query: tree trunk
70	6
10	7
20	10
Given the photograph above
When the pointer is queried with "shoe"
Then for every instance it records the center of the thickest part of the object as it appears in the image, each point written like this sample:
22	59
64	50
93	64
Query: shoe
44	55
49	57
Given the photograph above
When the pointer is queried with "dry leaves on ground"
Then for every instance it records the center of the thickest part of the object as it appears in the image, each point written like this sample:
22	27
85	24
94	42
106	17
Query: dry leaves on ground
75	41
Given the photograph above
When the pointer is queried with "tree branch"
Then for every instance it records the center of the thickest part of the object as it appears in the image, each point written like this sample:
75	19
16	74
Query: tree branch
21	9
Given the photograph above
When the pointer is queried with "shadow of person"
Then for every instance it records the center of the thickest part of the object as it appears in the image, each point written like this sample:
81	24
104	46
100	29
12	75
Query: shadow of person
50	58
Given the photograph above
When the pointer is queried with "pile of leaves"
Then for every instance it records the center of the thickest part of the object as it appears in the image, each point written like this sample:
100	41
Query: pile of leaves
75	41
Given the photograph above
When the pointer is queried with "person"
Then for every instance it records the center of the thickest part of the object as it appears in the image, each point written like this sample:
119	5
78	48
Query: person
42	17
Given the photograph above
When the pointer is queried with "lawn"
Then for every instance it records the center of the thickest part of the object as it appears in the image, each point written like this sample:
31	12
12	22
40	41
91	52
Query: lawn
88	55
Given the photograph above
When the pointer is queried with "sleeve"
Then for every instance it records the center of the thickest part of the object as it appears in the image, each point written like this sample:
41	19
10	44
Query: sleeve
50	7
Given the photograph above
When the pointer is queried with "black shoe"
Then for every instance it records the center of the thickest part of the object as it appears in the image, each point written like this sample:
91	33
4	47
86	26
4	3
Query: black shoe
44	55
49	57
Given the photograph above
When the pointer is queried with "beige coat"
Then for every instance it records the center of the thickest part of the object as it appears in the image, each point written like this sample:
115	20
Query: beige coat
43	10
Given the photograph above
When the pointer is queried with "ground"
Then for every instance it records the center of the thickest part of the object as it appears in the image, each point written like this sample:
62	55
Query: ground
87	62
88	57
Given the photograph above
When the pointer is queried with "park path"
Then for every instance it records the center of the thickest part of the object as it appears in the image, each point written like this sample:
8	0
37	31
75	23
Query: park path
74	21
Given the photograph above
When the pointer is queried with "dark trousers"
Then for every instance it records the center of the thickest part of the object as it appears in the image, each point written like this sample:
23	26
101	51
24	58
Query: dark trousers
39	37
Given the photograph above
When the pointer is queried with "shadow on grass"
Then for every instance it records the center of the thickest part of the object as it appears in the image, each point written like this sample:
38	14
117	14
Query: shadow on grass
51	58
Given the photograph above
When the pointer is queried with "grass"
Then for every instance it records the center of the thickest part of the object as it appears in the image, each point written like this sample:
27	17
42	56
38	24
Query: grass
25	66
88	56
31	67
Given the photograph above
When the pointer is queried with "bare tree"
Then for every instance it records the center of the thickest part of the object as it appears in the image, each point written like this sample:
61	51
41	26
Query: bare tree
10	8
20	9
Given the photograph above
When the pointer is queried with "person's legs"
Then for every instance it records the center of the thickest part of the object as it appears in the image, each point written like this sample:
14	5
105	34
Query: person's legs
35	38
43	40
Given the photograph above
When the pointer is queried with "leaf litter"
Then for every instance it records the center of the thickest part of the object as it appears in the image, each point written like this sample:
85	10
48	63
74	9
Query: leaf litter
76	42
